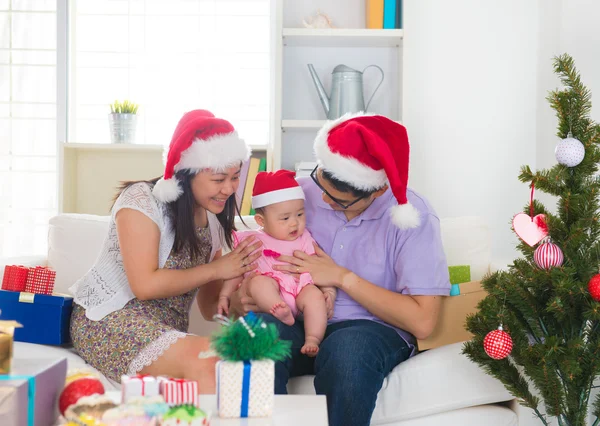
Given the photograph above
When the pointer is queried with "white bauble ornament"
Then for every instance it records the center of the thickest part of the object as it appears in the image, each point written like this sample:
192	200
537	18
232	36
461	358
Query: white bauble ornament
569	152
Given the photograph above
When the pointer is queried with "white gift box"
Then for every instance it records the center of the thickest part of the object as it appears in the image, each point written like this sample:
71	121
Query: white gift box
139	385
245	389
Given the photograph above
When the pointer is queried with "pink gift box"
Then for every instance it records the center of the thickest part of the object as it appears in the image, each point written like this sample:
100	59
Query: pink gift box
179	391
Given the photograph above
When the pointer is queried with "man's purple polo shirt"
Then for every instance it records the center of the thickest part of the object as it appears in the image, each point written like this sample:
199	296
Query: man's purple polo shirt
407	262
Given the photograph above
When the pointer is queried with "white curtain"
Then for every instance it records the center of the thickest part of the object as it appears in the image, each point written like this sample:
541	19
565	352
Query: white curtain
27	124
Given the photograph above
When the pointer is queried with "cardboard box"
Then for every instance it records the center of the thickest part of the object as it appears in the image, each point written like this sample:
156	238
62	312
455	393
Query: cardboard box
29	395
7	331
453	314
45	318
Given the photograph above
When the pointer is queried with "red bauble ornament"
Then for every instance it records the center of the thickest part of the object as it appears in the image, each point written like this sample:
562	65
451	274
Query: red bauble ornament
84	386
594	287
548	255
497	344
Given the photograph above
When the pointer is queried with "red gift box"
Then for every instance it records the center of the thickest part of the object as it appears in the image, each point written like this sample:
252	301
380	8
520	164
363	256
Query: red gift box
40	280
179	391
15	277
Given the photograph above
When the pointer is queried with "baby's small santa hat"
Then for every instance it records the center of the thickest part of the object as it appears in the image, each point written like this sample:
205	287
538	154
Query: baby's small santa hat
275	187
369	151
200	141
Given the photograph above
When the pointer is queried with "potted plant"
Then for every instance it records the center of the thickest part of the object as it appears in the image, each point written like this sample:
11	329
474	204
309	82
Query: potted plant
122	121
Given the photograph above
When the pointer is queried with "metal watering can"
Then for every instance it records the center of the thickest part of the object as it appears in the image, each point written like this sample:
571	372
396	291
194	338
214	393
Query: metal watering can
346	90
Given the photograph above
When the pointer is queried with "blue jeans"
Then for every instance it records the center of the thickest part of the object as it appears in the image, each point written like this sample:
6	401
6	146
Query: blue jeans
353	360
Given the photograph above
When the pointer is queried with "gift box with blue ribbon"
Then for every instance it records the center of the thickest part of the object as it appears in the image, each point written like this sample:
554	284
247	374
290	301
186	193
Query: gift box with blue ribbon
245	388
249	348
45	318
28	395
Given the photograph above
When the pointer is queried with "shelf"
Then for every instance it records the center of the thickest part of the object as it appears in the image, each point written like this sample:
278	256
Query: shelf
302	124
131	147
334	37
113	147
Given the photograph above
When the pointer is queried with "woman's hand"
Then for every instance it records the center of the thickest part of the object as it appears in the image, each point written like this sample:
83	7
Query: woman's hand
324	271
239	261
241	303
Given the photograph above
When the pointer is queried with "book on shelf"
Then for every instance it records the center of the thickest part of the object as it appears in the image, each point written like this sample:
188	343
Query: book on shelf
386	14
389	14
374	14
239	194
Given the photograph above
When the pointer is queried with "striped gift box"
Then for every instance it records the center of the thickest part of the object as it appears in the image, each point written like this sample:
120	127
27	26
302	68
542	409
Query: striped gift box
40	280
179	391
15	278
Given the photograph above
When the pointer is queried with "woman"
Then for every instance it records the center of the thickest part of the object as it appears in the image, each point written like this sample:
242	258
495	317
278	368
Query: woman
385	257
163	249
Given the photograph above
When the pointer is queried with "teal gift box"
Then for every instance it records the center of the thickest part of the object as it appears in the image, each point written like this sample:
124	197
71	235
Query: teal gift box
29	394
459	274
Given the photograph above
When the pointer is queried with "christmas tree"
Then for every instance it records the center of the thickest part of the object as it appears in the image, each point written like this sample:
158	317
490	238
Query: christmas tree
547	300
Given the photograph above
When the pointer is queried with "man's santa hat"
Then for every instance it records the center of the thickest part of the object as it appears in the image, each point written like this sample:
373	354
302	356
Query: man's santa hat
275	187
367	152
200	141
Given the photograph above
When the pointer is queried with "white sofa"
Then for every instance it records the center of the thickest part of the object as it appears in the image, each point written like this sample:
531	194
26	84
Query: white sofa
439	386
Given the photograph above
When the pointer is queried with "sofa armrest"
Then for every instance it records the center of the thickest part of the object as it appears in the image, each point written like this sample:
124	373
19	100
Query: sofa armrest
39	260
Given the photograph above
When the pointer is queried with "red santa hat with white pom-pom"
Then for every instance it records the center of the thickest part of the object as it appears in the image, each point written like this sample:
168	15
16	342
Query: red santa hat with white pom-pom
369	151
200	141
275	187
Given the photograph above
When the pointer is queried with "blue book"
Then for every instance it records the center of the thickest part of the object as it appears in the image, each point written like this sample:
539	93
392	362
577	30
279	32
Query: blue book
389	14
398	14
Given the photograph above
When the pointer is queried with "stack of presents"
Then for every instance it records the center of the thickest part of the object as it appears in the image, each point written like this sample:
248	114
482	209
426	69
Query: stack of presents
32	392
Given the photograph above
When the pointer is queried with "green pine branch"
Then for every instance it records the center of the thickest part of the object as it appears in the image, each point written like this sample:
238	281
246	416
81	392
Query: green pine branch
550	315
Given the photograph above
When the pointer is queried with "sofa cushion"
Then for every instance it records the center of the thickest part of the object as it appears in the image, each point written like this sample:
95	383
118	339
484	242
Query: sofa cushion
74	241
434	381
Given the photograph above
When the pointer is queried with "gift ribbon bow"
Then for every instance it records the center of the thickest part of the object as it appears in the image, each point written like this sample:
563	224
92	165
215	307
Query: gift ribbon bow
30	394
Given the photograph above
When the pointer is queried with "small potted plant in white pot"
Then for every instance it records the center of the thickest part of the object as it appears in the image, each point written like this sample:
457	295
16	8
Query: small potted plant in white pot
122	121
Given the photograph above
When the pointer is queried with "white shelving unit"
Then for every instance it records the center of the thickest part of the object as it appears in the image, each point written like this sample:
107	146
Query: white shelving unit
296	111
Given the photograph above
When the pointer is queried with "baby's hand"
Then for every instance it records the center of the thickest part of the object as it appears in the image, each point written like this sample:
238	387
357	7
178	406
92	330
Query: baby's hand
223	306
330	295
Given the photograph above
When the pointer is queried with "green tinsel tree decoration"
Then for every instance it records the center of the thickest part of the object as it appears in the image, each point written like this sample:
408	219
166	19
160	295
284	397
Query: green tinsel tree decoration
550	314
250	338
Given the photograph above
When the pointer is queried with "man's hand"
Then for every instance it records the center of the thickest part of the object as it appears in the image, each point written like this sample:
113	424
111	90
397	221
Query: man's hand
323	270
241	303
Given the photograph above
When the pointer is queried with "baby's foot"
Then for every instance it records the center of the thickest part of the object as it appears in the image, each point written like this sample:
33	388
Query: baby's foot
283	313
311	346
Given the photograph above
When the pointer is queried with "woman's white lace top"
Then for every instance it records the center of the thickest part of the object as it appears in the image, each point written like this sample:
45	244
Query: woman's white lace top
104	288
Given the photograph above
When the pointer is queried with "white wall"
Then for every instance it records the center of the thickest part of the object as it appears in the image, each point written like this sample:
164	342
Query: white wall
470	99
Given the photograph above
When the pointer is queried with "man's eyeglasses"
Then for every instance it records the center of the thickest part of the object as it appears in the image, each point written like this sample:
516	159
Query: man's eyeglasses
313	176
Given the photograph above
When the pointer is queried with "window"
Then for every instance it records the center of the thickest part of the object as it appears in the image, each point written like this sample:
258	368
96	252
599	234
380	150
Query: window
169	57
28	124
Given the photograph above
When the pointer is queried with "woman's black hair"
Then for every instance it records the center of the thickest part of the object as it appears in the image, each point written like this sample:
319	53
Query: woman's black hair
182	214
345	187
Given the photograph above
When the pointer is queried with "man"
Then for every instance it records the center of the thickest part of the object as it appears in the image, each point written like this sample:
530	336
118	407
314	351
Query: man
385	257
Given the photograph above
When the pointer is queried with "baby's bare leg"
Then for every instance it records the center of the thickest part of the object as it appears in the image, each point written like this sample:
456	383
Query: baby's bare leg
265	292
311	302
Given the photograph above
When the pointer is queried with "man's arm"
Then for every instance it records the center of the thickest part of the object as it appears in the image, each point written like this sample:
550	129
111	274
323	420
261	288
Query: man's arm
416	314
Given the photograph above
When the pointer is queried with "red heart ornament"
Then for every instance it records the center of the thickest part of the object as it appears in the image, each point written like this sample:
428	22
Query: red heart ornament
532	231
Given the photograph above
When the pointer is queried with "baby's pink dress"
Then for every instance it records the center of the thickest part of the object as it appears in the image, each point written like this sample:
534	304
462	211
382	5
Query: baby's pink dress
289	287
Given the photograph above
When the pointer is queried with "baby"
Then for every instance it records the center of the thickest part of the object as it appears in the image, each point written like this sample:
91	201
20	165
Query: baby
278	201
